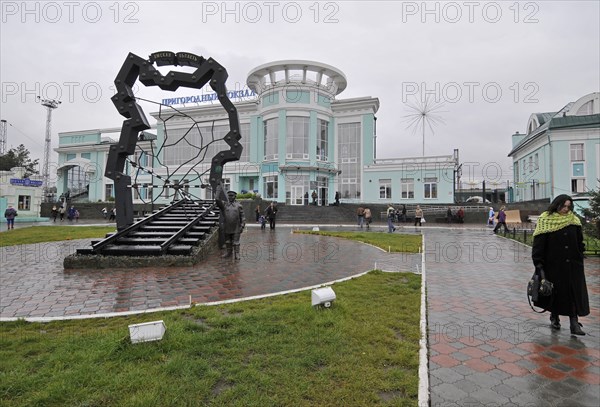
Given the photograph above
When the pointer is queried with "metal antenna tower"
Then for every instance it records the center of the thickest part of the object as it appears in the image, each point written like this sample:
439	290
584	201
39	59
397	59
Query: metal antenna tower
2	137
50	104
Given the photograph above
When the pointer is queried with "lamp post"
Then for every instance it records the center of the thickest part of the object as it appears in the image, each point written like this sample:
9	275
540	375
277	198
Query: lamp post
50	104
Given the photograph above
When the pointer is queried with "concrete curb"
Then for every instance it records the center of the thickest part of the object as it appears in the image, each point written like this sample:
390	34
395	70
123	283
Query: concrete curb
423	400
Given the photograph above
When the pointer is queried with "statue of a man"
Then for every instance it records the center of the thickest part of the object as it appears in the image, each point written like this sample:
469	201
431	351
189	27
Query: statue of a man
234	220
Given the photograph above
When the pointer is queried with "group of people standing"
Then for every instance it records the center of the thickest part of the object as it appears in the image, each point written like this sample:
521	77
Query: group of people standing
400	215
499	219
269	215
112	216
59	212
364	217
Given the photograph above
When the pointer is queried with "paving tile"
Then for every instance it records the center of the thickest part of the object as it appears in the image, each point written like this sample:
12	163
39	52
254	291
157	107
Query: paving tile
506	355
562	367
526	364
486	347
458	345
460	356
551	373
588	395
586	376
484	379
492	360
513	369
540	359
467	386
447	375
450	393
474	352
506	390
444	361
524	400
489	397
443	348
562	390
563	350
479	365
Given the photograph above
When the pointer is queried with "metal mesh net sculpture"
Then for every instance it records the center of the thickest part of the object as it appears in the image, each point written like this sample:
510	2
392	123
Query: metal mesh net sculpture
196	139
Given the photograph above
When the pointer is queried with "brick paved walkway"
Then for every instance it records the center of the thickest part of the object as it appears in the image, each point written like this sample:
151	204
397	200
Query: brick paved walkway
33	282
487	348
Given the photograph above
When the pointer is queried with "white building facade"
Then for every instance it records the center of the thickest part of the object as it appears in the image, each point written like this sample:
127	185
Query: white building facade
560	153
25	194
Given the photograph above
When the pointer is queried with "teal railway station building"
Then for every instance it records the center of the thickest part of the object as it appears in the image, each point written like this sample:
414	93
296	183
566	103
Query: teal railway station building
298	135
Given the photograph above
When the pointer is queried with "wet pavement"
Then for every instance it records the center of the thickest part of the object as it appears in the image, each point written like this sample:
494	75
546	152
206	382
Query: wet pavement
486	346
33	282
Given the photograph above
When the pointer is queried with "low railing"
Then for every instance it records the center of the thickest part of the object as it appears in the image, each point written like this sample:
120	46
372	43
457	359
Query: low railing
526	236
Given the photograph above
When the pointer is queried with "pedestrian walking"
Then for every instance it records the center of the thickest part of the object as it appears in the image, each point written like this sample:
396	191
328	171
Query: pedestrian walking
390	218
360	214
558	251
71	213
10	214
418	215
460	215
491	214
368	217
257	212
61	213
501	220
54	213
271	214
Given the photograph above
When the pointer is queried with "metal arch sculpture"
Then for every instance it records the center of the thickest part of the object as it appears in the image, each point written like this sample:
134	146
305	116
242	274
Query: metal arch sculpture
134	68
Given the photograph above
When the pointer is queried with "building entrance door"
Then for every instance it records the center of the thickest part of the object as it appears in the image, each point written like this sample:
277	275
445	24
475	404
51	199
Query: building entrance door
323	200
297	195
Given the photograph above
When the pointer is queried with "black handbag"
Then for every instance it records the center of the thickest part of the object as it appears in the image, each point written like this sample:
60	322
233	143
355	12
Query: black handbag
538	286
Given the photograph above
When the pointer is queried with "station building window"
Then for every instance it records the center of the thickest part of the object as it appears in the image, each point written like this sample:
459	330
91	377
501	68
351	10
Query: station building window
385	189
430	188
270	186
349	159
322	144
297	138
271	140
24	202
407	188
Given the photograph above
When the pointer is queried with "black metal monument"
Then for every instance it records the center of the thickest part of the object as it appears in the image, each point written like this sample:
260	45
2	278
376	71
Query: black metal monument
187	227
134	68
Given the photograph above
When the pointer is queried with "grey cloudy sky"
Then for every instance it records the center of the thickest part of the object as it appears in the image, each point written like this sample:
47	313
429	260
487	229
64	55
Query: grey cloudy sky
490	63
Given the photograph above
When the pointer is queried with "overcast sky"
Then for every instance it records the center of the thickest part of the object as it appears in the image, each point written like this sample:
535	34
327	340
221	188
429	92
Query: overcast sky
488	64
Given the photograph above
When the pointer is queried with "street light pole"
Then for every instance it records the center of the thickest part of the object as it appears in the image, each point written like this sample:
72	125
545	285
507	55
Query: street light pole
50	104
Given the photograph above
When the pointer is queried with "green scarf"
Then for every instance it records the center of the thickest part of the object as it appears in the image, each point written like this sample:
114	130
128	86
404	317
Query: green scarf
551	222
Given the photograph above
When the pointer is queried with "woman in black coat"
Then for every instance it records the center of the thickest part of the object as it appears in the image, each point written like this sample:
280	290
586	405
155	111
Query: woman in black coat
558	250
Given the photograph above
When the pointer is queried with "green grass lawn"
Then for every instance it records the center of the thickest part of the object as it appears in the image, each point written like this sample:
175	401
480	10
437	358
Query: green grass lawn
40	234
393	242
278	351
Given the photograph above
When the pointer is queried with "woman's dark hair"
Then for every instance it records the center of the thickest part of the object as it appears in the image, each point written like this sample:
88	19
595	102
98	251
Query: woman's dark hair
558	203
